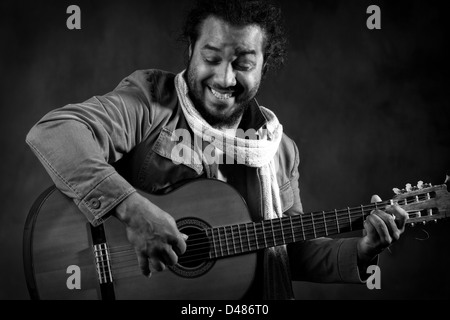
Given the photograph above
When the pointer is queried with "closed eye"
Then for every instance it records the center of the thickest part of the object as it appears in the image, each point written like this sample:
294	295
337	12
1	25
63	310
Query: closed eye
212	61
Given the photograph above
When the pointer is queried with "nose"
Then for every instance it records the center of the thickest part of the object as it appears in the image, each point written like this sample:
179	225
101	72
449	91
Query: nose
226	77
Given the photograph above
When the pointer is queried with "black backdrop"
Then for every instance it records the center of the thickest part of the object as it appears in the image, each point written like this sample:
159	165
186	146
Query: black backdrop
368	109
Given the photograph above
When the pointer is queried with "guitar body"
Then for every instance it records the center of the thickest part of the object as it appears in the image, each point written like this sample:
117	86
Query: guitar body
58	239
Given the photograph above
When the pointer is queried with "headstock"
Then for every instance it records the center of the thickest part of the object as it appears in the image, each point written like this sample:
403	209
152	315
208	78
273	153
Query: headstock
424	202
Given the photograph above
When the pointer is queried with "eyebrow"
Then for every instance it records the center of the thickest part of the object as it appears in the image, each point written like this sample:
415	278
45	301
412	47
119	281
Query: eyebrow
240	52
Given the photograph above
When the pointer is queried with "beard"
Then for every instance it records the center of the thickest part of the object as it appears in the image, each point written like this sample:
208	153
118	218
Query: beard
219	120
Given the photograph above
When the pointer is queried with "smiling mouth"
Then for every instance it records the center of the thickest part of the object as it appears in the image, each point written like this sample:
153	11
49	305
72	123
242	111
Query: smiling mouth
221	96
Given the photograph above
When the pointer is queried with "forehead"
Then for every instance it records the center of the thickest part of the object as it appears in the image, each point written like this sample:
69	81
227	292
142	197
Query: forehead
220	34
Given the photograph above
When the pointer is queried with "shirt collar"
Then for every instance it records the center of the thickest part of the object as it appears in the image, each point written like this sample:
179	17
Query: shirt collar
253	118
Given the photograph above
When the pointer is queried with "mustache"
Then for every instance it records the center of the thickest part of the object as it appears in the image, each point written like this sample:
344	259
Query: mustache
237	89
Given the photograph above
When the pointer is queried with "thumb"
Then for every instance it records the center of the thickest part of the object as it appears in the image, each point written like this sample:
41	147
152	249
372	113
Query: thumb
375	198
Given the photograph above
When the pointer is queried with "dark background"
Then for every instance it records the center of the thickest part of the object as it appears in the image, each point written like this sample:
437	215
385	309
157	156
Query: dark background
368	109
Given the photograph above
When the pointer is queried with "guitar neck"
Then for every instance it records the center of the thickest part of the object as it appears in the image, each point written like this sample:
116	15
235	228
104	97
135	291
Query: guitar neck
421	206
248	237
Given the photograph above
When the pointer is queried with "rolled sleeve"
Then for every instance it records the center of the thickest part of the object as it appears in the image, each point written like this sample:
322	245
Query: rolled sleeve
347	261
78	143
326	260
103	197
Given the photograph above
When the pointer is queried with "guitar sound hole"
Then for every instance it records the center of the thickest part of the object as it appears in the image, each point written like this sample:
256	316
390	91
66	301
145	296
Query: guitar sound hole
197	250
195	261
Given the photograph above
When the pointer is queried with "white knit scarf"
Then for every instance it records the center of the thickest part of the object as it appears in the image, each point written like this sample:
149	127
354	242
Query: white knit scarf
257	153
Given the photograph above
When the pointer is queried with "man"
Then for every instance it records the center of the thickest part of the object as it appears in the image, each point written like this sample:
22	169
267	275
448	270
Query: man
98	152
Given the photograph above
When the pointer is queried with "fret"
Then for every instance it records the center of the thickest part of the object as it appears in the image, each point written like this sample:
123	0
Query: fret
282	232
337	221
303	229
256	237
349	219
292	228
248	237
273	234
325	223
240	238
264	235
214	243
232	239
226	240
220	242
314	227
362	212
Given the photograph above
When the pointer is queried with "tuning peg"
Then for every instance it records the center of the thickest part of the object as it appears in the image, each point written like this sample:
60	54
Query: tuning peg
420	185
408	187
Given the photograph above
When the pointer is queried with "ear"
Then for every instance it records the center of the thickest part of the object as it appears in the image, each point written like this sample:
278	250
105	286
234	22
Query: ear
190	50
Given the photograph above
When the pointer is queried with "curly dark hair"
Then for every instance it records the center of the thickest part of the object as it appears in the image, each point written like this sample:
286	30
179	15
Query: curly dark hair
241	13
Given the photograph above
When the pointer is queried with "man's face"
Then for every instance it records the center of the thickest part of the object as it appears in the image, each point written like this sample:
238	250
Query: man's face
225	70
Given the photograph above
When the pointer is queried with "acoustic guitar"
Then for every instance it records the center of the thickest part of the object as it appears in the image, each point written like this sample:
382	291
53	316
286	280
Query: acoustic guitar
220	259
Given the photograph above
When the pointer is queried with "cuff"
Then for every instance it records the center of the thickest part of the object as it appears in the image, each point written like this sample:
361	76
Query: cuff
348	261
107	194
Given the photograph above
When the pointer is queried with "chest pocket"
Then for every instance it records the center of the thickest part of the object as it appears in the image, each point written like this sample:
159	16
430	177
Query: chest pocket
286	196
169	163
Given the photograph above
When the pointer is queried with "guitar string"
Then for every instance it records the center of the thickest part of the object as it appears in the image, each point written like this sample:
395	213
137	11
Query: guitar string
274	241
194	257
342	213
117	268
278	237
321	223
241	243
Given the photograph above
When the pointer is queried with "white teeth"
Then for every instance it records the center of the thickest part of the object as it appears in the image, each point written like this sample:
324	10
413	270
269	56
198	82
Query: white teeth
221	96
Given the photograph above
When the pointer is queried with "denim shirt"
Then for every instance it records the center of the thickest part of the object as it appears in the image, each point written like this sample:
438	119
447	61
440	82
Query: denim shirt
100	151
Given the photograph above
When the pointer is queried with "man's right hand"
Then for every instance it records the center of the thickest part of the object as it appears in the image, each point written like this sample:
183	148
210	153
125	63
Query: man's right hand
152	232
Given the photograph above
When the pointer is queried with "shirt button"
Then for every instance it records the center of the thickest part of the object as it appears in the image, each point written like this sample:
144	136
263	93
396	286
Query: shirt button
95	203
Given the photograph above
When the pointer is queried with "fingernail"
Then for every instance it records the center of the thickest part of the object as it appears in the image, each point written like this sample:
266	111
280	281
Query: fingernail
185	236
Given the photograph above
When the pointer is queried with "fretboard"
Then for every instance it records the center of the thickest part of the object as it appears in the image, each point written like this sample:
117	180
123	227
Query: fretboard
247	237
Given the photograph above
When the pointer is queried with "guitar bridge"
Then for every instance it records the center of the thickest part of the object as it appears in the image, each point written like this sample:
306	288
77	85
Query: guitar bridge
102	263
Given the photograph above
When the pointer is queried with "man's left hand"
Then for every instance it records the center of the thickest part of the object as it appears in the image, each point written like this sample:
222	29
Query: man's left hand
381	229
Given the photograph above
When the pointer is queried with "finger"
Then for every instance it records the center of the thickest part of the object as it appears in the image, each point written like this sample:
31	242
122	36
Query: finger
179	244
400	215
170	258
143	264
370	230
389	221
381	228
375	198
157	264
